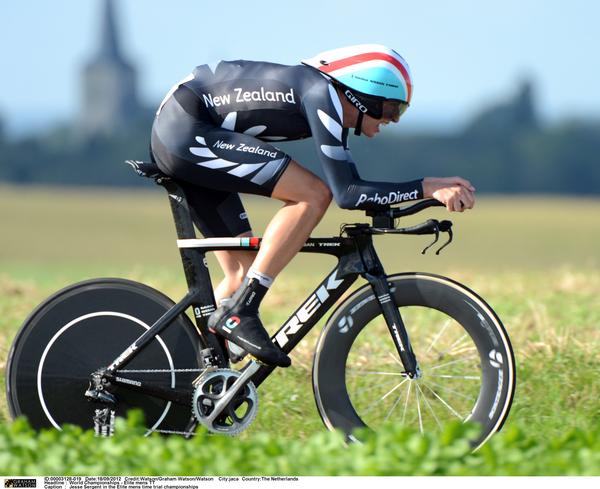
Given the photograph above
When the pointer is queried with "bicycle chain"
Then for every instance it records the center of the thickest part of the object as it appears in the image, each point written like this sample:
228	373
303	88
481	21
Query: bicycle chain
172	432
182	433
181	370
151	371
156	371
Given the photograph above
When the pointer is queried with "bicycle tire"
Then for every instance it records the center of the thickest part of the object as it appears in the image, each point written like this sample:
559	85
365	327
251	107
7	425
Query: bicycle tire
470	327
84	327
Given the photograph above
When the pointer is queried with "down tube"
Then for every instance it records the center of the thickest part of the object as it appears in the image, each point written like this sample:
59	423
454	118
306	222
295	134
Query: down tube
307	315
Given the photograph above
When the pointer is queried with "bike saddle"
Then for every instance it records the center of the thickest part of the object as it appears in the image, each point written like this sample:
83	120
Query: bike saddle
145	168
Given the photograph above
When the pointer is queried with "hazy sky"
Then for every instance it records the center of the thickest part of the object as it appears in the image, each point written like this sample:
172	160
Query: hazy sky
462	53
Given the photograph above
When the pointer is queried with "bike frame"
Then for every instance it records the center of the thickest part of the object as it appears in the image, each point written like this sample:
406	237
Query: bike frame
356	257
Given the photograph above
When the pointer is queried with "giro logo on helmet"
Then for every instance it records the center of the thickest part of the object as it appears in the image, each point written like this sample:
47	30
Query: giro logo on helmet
355	101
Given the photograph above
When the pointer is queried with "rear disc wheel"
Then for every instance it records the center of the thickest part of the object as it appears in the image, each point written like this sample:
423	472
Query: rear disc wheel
85	327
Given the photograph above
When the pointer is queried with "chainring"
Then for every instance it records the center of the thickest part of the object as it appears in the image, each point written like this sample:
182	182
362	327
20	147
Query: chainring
211	387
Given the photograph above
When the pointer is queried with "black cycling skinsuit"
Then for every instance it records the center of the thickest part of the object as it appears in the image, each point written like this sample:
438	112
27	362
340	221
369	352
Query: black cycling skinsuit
213	129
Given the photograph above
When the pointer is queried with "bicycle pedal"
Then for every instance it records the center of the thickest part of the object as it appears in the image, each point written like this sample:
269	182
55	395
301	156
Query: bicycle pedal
236	353
256	360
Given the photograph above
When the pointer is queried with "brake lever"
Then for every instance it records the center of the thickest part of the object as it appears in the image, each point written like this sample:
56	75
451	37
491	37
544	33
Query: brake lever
445	227
436	231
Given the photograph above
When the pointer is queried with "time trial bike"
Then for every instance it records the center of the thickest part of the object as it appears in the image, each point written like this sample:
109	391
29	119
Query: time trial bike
412	348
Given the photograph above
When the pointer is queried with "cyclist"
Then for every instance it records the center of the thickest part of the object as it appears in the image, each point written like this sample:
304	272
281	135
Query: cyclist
213	134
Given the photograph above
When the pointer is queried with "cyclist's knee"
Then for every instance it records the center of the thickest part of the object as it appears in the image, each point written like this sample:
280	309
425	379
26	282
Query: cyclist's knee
299	185
320	195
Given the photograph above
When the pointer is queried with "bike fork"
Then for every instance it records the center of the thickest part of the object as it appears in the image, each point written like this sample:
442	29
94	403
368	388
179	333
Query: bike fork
394	323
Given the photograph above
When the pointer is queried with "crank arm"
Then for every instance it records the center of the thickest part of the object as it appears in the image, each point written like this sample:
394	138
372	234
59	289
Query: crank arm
248	372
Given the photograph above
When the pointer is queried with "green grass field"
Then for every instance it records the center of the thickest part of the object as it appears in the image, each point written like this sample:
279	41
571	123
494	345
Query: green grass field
535	260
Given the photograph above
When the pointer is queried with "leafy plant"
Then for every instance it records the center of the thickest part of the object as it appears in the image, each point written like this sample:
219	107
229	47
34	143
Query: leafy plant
394	451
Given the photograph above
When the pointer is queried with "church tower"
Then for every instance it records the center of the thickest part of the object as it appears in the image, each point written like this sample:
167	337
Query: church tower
110	100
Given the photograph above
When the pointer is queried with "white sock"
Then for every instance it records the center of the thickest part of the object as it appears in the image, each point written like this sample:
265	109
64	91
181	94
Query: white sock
263	279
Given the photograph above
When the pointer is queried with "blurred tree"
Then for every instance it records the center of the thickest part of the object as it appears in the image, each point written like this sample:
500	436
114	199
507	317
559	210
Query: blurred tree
503	149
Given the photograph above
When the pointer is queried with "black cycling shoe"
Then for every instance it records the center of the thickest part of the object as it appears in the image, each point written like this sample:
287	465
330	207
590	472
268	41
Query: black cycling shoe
248	333
237	321
236	353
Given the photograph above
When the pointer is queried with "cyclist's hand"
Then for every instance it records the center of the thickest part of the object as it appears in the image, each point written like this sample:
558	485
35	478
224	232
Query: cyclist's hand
456	193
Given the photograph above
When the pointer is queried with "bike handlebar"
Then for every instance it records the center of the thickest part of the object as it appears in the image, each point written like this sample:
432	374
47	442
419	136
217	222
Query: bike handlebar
383	222
385	218
413	209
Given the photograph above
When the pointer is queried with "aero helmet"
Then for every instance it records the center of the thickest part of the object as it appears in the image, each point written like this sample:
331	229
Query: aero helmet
369	74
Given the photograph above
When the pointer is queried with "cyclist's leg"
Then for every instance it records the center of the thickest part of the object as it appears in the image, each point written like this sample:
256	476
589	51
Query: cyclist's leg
235	266
306	198
221	214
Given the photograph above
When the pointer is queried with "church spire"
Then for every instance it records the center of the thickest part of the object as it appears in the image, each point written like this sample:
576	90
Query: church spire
109	42
109	84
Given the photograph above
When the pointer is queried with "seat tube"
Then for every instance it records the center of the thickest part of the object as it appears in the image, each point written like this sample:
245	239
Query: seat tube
195	266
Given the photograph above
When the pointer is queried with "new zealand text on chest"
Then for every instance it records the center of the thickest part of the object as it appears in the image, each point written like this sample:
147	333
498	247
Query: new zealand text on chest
240	95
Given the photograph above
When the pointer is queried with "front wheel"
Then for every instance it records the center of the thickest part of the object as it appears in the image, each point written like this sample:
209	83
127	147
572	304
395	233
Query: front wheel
466	361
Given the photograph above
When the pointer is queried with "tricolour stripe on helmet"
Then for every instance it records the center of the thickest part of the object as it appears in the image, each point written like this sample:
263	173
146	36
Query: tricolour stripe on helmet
357	59
358	76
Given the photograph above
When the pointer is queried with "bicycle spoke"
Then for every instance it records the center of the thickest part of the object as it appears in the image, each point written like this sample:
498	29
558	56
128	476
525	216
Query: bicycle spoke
450	408
370	386
460	360
419	409
463	349
454	347
369	372
393	407
428	404
395	358
445	387
467	377
369	409
439	335
386	395
406	403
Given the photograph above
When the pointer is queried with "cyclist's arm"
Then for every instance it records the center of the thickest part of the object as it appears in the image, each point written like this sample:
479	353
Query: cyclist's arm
324	115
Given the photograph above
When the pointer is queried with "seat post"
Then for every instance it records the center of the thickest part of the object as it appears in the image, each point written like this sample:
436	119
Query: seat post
179	207
193	259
